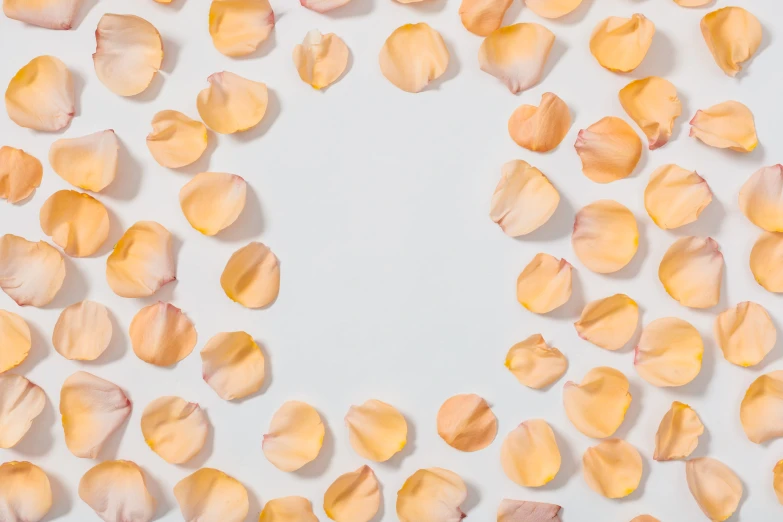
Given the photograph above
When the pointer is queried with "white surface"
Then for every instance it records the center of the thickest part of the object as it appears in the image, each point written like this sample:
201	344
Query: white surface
395	283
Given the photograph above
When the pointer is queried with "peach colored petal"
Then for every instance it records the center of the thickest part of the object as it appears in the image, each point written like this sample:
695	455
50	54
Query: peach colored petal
653	104
162	335
20	174
745	333
766	261
233	365
211	495
691	271
20	403
678	434
620	44
295	436
321	59
467	423
288	509
609	150
675	197
516	54
733	35
605	236
231	103
761	411
40	96
88	162
544	284
552	8
536	364
212	201
481	17
30	273
610	322
646	518
524	199
413	56
142	261
128	53
761	198
612	468
176	140
117	492
238	27
252	276
778	480
669	352
49	14
83	331
174	428
353	497
76	222
376	430
91	409
15	340
727	125
26	495
597	405
526	511
529	455
716	489
323	6
541	128
432	494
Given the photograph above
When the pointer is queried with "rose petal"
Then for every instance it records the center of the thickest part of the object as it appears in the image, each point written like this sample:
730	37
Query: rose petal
678	434
778	480
83	331
647	518
88	162
597	405
20	174
231	103
605	236
49	14
15	340
727	125
761	411
766	261
353	497
529	455
92	409
210	494
77	222
526	511
691	271
653	104
323	6
116	491
536	364
40	96
30	273
413	56
541	128
620	44
174	428
669	352
238	27
732	35
288	509
21	402
467	423
516	54
26	495
321	59
714	486
544	284
481	17
252	276
675	197
212	201
162	335
761	198
376	430
176	140
233	365
609	149
552	8
295	436
745	334
612	468
142	261
432	494
524	199
610	322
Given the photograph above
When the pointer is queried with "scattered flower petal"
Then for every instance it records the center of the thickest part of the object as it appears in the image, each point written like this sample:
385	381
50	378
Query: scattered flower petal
295	436
83	331
516	54
541	128
745	334
212	201
88	162
26	495
610	322
761	411
20	174
321	59
544	284
58	14
536	364
761	198
176	140
142	261
526	511
552	8
238	27
288	509
727	125
432	494
413	56
231	103
605	236
376	430
691	271
669	352
481	17
529	455
647	518
733	35
716	489
612	468
653	104
162	335
323	6
117	492
40	96
174	428
778	480
252	276
30	273
21	402
678	434
233	365
77	222
353	497
523	200
597	405
766	261
620	44
467	423
15	340
211	495
675	197
609	149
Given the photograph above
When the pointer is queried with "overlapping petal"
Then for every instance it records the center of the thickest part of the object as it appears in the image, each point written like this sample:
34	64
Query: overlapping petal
49	14
733	35
481	17
597	405
252	276
353	497
295	436
610	322
541	128
605	236
413	56
376	430
26	495
238	27
117	491
20	174
232	103
209	494
288	509
544	284
524	199
669	352
21	402
745	333
727	125
88	162
691	271
15	339
612	468
30	273
716	488
516	54
526	511
466	422
176	140
529	455
761	411
678	434
620	44
75	221
766	261
233	365
675	197
761	198
212	201
653	104
83	331
609	150
536	364
40	96
162	335
432	494
174	428
142	261
321	59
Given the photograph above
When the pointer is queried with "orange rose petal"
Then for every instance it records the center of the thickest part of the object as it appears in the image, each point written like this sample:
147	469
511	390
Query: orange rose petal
609	150
597	405
20	403
231	103
526	511
733	35
653	104
212	201
675	197
766	261
432	494
20	174
727	125
745	334
174	428
678	434
116	491
376	430
413	56
544	284
88	162
211	495
238	27
536	364
610	322
49	14
288	509
142	261
605	236
321	59
778	480
761	411
612	468
295	436
323	6
77	222
669	353
30	273
541	128
353	497
162	335
233	365
524	199
40	96
481	17
620	44
252	276
552	8
15	340
529	455
83	331
467	423
691	271
761	198
716	489
516	54
176	140
26	495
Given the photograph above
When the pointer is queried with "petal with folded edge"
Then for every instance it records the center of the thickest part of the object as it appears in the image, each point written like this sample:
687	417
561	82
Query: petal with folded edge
21	402
691	271
675	197
162	335
88	162
653	104
733	35
605	236
212	201
609	150
766	261
353	497
252	276
174	428
761	410
77	222
761	198
678	433
413	56
30	273
238	27
745	333
26	495
536	364
516	54
376	430
321	59
620	44
20	174
481	17
610	322
142	261
432	494
716	488
41	96
231	103
524	199
529	455
210	494
233	365
49	14
541	128
727	125
597	405
296	434
612	468
466	422
176	140
117	491
83	331
669	352
544	284
15	339
288	509
526	511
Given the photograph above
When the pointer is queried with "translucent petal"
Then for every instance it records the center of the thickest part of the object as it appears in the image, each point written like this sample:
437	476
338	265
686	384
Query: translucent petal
612	468
691	271
15	340
142	261
323	6
733	35
481	17
176	140
295	436
233	365
678	434
231	103
174	428
541	128
212	201
761	411
353	497
653	104
83	331
49	14
321	59
211	495
116	491
432	494
21	402
40	96
516	54
605	236
669	352
529	455
77	222
778	480
20	174
376	430
467	423
536	364
552	8
675	197
544	284
162	335
526	511
91	409
252	276
610	322
727	125
288	509
716	489
620	44
238	27
26	495
745	333
128	53
413	56
30	273
597	405
609	149
766	261
761	198
88	162
524	199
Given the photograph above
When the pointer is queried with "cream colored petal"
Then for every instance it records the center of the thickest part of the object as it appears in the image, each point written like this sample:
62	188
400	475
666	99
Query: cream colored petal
678	434
323	6
432	494
536	364
49	14
597	405
609	149
524	199
128	53
212	201
288	509
77	222
544	284
467	423
529	455
174	428
675	197
761	198
552	8
612	468
295	436
653	104
778	480
233	365
88	162
526	511
162	335
20	174
716	489
142	261
745	334
766	261
26	495
541	128
691	271
238	27
176	140
231	103
620	44
83	331
211	495
353	497
761	411
605	236
376	430
15	340
91	409
669	352
481	17
252	276
516	54
21	402
413	56
727	125
321	59
117	492
733	35
610	322
30	273
40	96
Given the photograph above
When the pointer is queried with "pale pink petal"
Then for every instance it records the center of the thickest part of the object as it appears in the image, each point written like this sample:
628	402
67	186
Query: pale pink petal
20	403
526	511
30	273
117	492
516	54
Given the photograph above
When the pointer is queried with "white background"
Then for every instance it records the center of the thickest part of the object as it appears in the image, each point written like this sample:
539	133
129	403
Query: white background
395	283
